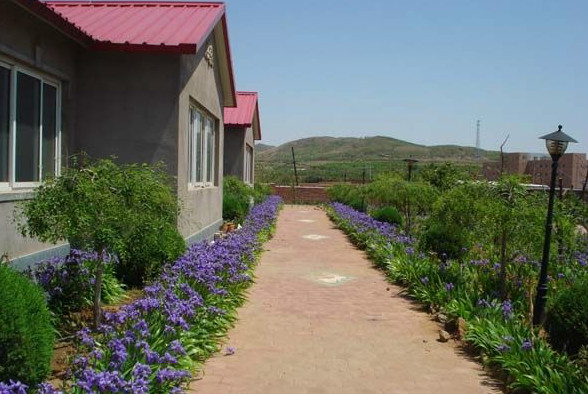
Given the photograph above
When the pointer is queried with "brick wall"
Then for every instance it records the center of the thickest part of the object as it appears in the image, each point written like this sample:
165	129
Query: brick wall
301	194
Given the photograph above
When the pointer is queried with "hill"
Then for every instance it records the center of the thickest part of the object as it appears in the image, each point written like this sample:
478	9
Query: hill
262	147
337	149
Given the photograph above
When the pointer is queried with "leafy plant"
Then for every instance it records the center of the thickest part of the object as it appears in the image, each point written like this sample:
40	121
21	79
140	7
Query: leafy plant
236	199
347	194
388	215
26	334
567	317
106	208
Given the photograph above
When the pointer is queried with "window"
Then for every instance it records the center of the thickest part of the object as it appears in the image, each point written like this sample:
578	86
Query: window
29	128
248	164
202	148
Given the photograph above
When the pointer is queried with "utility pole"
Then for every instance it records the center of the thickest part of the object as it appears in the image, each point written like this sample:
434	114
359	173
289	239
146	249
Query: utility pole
295	171
478	153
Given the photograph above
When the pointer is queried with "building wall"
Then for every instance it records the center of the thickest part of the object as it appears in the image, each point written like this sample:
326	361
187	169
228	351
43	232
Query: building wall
572	168
29	42
128	107
234	156
249	141
201	207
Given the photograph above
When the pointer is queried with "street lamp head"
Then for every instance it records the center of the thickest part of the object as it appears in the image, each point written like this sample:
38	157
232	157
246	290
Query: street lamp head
557	142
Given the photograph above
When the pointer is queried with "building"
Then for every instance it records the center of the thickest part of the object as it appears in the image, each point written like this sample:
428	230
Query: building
571	169
144	81
242	129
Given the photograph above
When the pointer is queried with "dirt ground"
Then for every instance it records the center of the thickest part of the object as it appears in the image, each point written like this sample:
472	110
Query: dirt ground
320	319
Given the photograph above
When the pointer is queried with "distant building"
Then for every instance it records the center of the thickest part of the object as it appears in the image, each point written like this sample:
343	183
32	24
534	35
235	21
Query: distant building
572	168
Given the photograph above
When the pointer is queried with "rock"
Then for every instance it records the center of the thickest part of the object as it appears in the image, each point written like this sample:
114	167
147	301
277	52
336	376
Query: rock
581	230
444	336
442	318
387	289
461	327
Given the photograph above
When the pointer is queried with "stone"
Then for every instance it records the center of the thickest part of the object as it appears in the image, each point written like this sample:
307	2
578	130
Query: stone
461	327
442	318
444	336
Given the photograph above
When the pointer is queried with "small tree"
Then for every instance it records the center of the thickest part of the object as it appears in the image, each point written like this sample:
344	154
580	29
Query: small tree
97	206
409	198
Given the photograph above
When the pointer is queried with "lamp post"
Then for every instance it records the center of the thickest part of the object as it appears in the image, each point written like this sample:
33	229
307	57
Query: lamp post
410	163
556	143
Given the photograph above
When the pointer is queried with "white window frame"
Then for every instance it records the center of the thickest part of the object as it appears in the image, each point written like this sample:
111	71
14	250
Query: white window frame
248	165
43	79
202	156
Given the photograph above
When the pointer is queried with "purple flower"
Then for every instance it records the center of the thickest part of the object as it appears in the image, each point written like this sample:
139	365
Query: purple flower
425	280
449	286
229	351
503	348
507	310
409	251
527	345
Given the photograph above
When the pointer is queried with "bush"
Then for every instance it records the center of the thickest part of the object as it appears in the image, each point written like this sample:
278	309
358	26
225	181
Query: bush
446	240
388	214
128	210
236	199
567	317
68	282
26	334
261	192
347	194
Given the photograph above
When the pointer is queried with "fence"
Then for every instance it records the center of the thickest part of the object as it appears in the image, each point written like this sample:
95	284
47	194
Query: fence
302	194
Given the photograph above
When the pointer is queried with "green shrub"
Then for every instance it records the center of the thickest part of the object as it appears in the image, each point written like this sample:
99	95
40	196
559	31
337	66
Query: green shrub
236	199
446	240
347	194
567	317
261	192
388	214
26	334
127	210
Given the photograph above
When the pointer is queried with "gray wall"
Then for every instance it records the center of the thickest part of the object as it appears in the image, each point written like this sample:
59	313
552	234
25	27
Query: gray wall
235	151
128	107
236	139
29	42
199	84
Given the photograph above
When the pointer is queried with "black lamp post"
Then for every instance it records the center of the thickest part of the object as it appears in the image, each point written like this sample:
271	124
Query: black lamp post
410	163
556	143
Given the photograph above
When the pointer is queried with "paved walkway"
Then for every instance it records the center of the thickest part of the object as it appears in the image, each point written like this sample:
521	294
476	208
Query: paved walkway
320	319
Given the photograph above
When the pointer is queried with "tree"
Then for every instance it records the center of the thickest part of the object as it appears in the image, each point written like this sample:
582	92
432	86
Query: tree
101	206
411	199
443	176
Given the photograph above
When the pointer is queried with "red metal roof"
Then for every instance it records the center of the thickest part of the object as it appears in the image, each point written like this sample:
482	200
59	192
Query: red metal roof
245	114
142	25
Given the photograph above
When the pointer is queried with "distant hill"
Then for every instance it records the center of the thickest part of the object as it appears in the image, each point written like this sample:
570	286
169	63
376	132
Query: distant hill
263	147
329	149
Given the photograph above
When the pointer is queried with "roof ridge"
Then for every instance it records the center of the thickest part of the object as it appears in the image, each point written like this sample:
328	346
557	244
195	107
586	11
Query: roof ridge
183	3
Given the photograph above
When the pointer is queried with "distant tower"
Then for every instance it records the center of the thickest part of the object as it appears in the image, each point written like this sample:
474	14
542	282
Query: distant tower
478	151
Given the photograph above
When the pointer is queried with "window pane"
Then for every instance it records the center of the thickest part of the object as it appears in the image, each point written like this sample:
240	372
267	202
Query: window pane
28	113
191	150
198	152
209	150
4	121
49	130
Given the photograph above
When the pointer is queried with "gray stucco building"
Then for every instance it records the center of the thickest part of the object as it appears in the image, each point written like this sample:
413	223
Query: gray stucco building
242	129
143	81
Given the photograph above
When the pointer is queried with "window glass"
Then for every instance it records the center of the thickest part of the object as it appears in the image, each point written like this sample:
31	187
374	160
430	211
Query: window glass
4	122
198	126
28	117
49	130
209	150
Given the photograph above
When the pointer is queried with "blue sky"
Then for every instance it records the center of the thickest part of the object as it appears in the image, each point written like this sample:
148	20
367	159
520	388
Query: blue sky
421	71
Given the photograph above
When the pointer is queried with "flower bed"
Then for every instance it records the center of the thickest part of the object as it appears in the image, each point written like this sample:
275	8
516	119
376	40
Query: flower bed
498	330
154	344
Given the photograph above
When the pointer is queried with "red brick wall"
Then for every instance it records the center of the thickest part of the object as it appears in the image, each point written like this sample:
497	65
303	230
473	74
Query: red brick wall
301	194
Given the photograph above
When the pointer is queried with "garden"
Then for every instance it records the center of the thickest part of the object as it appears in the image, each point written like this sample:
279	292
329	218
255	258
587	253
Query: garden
120	223
469	252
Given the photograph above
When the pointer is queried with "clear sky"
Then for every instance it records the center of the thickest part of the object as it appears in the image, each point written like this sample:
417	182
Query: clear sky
421	71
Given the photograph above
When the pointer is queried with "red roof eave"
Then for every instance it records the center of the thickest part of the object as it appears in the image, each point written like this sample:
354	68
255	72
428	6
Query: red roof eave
229	59
50	16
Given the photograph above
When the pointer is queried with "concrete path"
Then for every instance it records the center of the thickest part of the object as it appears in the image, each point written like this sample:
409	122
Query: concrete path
320	319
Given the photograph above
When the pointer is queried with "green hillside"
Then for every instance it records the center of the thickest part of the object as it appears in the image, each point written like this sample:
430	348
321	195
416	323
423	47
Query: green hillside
330	149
